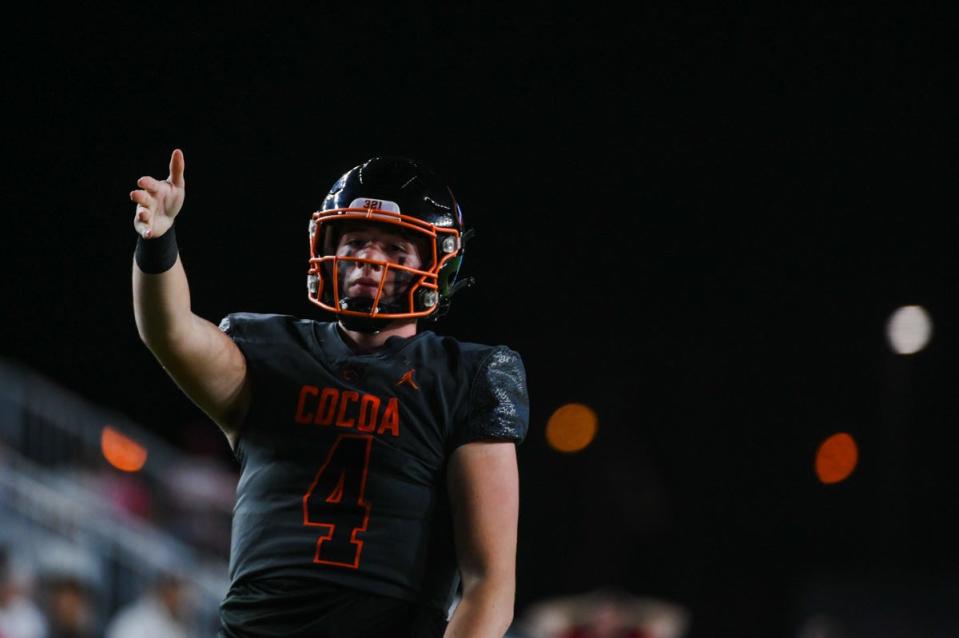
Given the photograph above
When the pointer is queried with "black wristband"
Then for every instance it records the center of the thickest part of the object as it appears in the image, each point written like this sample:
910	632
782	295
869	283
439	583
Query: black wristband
154	256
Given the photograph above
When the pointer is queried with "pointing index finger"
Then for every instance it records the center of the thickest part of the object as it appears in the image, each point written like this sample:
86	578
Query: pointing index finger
177	166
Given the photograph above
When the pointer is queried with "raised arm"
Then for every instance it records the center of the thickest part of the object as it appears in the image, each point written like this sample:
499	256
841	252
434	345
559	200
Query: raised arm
204	362
483	488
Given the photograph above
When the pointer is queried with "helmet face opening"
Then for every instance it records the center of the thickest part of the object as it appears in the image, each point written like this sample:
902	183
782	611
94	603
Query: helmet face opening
387	196
402	291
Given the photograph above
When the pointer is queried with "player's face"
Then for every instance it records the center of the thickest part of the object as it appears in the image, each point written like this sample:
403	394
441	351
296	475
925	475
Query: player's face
361	279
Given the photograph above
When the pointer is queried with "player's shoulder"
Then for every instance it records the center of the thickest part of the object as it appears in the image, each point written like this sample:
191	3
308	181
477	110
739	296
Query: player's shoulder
468	355
265	326
495	398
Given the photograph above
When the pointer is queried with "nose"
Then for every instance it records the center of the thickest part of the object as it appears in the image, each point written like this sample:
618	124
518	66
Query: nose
371	250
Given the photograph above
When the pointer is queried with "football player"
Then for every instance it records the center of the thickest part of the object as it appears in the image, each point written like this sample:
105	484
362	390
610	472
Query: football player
378	461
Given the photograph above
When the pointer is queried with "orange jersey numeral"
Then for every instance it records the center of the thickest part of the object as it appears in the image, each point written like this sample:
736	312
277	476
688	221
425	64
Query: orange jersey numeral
335	501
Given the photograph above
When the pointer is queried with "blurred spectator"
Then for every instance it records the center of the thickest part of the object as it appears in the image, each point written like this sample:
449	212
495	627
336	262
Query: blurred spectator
69	580
161	612
19	617
70	607
605	614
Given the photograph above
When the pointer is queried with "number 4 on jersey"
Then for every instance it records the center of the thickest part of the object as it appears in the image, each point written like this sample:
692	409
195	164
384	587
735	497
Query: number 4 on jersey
335	501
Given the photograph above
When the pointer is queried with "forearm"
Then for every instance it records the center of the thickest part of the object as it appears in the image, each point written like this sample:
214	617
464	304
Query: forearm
486	609
161	305
483	485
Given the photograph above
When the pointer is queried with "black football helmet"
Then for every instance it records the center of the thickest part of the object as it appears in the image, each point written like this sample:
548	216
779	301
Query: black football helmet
409	198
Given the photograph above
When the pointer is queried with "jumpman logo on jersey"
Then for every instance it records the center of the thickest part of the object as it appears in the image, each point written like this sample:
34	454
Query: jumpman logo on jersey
408	378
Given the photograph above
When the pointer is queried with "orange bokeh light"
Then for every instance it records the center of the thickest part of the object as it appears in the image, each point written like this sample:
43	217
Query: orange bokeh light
121	451
836	458
571	428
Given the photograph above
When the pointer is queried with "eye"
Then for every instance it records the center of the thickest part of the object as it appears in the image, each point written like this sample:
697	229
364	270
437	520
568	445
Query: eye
399	248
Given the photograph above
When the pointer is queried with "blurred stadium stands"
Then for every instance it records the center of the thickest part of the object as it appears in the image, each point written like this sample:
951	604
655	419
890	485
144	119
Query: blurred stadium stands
65	511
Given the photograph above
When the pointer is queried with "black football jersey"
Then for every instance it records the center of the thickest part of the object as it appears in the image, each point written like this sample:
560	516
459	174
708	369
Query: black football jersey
343	455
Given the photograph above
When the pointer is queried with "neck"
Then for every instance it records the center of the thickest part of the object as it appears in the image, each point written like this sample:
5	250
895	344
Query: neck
363	342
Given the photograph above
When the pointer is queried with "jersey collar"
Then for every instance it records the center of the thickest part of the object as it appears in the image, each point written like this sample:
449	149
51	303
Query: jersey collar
332	341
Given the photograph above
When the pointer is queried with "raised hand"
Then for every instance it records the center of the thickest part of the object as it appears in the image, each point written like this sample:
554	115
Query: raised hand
158	202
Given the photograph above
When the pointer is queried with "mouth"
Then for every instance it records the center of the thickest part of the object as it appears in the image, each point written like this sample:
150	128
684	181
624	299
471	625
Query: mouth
364	286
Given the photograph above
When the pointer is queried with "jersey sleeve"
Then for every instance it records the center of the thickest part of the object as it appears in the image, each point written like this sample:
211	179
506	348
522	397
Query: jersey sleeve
255	335
233	326
498	400
248	331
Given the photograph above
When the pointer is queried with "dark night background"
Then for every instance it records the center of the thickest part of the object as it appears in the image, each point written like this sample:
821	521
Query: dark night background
696	220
